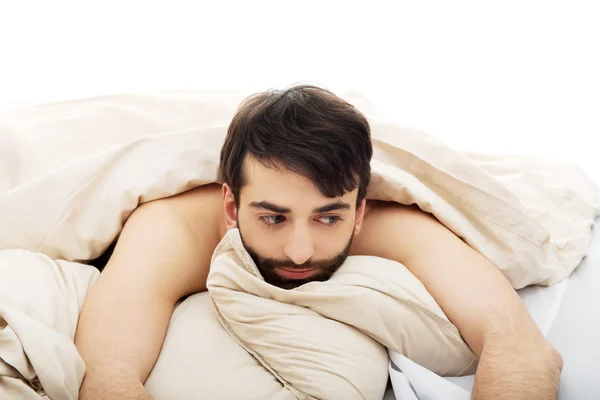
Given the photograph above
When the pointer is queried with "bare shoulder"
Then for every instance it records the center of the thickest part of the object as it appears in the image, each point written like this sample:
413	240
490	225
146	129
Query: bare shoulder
197	211
168	243
201	208
389	229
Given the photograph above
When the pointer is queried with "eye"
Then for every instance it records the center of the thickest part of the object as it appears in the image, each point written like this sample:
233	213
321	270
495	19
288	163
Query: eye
329	220
271	220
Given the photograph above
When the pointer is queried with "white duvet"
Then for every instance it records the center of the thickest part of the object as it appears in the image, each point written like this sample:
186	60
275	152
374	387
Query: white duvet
71	173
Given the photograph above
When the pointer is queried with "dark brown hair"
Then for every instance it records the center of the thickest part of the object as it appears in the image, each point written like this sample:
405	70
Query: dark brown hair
304	129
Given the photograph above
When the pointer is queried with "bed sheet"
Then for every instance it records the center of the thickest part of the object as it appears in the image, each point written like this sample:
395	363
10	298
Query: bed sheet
576	329
568	313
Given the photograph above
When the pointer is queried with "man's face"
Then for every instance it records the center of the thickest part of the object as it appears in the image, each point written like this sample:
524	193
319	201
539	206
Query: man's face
293	233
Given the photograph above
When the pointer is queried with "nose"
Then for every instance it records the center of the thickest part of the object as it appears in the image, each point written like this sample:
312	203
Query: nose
299	247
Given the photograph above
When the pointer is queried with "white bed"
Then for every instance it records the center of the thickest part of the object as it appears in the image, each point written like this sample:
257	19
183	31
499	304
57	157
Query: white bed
70	173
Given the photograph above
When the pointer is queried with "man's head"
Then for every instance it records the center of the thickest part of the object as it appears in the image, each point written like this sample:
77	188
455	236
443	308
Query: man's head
295	166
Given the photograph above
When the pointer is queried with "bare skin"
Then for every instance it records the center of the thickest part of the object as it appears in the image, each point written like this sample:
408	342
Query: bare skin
164	254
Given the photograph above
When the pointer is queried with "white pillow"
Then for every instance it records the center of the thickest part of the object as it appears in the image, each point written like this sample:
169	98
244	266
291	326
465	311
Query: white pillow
200	360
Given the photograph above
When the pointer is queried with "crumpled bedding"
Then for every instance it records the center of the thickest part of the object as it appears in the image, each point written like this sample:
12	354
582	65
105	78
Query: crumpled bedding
40	302
72	172
327	340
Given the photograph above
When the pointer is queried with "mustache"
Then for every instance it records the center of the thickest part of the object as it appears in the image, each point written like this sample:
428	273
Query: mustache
271	263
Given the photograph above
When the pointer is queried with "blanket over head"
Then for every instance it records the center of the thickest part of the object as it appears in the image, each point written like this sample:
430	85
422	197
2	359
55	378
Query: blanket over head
72	172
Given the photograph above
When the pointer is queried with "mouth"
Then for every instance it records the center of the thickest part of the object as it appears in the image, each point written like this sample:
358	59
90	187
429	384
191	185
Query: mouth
293	273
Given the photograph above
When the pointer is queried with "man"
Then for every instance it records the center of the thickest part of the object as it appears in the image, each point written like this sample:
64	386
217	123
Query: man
295	166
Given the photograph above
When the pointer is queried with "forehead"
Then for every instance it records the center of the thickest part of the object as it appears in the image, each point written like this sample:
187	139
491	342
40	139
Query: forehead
283	187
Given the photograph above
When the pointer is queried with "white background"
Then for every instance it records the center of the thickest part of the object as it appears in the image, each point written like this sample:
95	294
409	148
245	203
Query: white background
503	76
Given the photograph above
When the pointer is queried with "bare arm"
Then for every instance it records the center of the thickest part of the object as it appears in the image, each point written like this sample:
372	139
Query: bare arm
516	361
156	261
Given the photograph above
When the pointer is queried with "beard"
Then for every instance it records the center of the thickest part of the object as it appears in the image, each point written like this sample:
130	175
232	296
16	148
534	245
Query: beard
268	266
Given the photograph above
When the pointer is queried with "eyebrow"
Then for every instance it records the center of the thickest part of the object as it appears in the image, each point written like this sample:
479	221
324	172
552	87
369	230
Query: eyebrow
338	205
267	205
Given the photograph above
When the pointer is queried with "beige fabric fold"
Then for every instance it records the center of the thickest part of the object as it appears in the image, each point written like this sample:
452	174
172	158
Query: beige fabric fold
40	302
72	172
63	162
328	340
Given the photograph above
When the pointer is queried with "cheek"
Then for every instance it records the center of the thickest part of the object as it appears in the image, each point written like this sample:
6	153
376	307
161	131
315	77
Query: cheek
332	241
328	242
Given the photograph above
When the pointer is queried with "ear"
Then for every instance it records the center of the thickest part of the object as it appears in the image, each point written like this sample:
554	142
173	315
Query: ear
360	215
229	207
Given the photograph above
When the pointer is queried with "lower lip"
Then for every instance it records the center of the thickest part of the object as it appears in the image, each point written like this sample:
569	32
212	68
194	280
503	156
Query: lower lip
296	273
